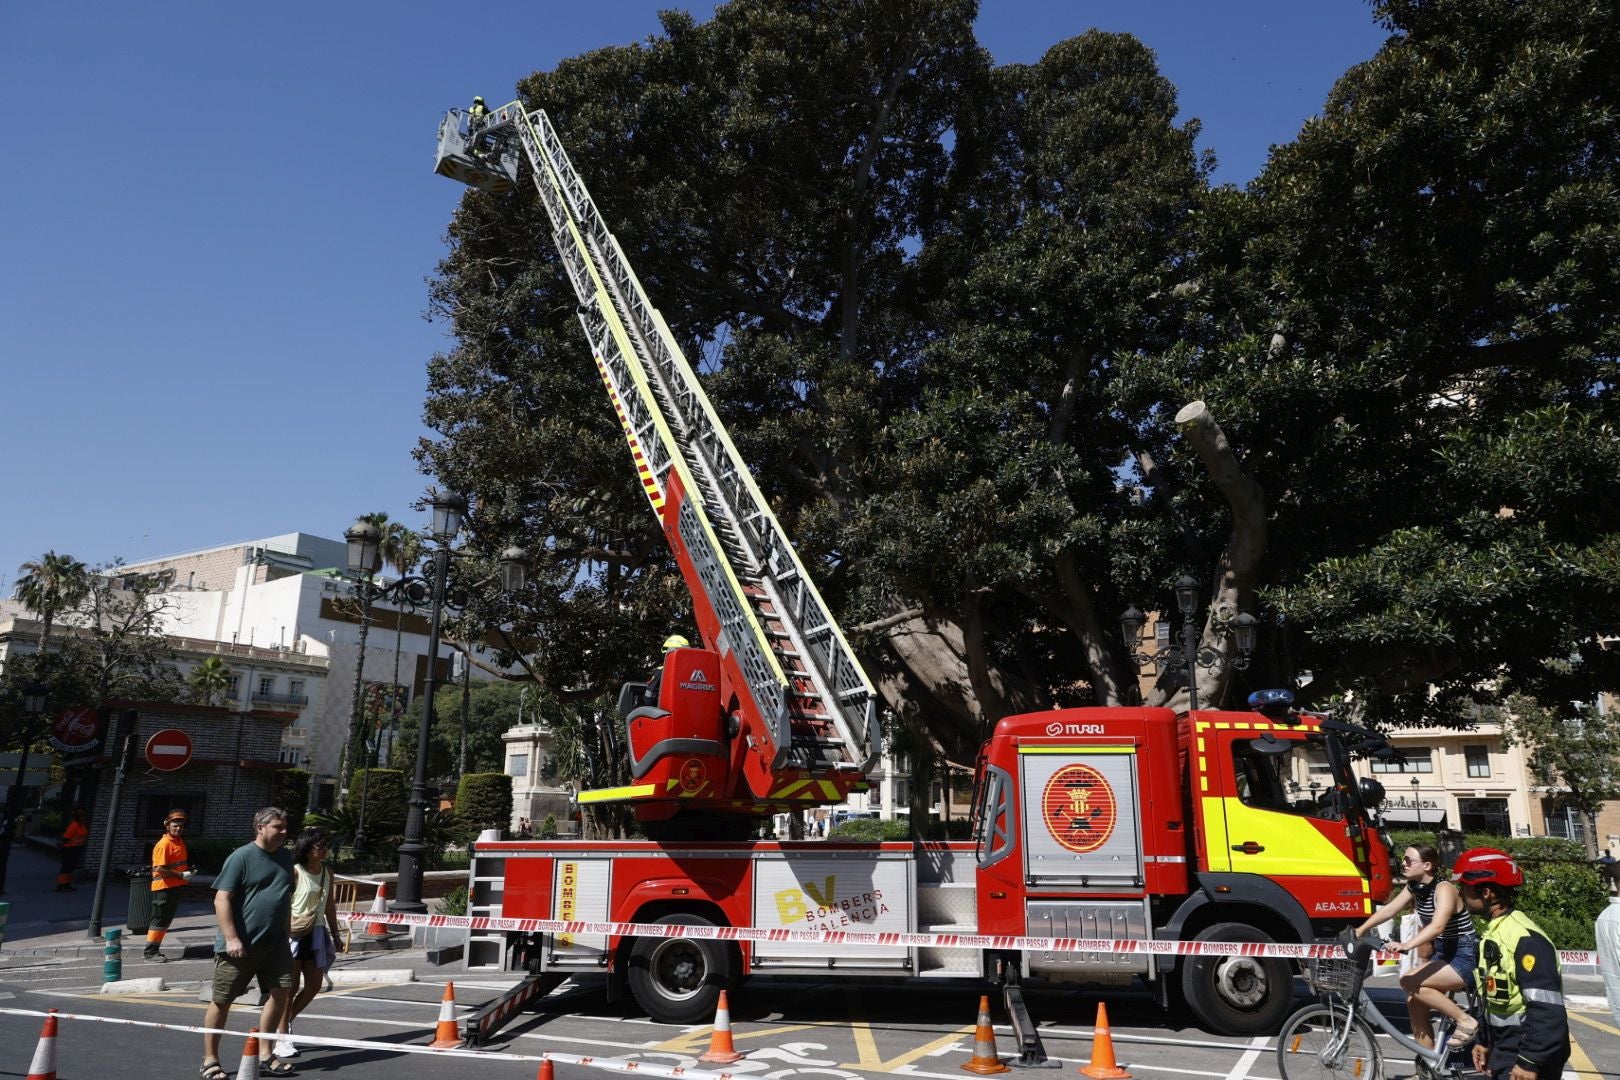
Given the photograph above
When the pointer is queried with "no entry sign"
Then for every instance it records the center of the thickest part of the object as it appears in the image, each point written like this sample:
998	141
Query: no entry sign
168	750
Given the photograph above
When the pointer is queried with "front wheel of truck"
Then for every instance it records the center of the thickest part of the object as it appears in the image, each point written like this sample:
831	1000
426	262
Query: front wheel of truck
1237	995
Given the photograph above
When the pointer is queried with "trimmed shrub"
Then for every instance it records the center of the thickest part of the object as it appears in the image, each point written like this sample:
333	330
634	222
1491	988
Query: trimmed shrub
386	797
484	801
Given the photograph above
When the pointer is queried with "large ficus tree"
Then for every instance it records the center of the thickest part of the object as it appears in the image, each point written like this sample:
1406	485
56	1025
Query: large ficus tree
951	312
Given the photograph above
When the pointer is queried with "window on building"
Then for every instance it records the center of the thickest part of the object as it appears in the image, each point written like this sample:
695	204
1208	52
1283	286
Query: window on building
295	688
1479	761
902	791
150	810
517	765
1413	759
1487	817
1161	634
235	686
267	684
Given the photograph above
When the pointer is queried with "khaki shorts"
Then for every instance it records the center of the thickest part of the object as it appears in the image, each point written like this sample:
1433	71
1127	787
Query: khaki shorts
270	960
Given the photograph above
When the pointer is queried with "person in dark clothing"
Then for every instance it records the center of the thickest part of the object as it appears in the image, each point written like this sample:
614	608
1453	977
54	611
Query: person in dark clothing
1524	1029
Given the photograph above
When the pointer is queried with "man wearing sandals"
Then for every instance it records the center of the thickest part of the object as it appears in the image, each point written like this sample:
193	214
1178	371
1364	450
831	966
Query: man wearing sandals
253	904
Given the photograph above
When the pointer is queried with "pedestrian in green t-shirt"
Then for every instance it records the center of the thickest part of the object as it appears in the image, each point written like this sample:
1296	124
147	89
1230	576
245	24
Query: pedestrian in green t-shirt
253	903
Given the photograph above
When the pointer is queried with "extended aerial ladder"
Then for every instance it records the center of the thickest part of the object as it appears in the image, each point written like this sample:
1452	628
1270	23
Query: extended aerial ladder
791	719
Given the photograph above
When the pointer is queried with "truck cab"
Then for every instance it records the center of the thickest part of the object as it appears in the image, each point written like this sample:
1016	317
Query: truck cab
1137	823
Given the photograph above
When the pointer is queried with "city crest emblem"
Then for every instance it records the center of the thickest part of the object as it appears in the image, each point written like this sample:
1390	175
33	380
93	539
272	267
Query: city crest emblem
1079	808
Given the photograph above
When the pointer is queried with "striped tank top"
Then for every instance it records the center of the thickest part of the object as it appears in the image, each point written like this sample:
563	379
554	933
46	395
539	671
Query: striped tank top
1460	925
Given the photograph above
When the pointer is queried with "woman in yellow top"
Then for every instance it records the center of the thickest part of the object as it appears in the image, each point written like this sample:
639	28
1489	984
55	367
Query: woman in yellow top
314	929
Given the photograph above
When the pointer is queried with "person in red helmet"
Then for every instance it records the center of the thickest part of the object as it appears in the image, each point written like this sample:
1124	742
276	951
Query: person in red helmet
1524	1034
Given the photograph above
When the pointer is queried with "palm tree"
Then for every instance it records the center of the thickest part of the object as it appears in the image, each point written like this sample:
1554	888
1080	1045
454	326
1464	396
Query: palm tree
50	585
402	549
209	679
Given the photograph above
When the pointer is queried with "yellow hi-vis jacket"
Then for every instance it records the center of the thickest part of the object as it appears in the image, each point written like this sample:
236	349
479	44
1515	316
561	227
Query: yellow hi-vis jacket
1521	997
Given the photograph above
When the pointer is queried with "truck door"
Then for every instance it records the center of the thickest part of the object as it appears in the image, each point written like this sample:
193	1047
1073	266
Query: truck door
1259	817
1082	828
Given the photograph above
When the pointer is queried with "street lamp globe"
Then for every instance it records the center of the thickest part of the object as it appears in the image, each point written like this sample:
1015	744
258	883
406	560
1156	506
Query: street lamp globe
1187	594
34	698
514	569
1245	628
1130	626
365	548
448	508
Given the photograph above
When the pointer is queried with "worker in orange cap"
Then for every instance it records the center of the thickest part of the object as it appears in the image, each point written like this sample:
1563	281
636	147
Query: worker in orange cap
171	868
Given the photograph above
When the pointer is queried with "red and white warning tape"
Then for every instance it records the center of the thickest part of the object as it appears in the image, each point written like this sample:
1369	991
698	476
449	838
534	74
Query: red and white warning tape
619	1065
863	937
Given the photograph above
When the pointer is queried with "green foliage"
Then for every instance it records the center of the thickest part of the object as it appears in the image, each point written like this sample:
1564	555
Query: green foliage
944	356
386	795
289	789
484	801
1573	748
493	707
872	829
209	681
1563	891
208	852
548	829
454	902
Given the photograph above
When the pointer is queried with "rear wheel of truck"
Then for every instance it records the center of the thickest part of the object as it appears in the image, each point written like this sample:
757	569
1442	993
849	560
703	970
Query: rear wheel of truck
1237	995
678	980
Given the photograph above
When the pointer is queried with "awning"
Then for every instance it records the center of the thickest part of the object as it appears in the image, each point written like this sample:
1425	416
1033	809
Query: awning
1412	815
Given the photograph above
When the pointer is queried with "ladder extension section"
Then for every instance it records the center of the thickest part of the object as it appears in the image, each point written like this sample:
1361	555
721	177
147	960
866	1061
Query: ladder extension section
803	675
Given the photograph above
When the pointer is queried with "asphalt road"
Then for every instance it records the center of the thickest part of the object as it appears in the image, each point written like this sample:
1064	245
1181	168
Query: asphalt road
786	1028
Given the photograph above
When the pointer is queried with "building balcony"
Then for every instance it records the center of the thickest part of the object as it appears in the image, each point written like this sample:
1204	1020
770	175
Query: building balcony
261	698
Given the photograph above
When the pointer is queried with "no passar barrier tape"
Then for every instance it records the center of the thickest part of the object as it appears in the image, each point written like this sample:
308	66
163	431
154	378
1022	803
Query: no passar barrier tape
619	1065
1326	951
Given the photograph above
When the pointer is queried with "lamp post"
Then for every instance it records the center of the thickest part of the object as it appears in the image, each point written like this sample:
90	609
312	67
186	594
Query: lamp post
1190	656
33	706
364	541
1417	807
448	509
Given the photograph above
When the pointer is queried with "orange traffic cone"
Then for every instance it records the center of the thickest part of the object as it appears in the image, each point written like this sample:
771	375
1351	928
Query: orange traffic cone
985	1060
445	1036
249	1068
547	1071
720	1051
44	1066
376	928
1103	1066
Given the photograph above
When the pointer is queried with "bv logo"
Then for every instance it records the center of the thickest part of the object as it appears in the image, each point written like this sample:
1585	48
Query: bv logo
1079	808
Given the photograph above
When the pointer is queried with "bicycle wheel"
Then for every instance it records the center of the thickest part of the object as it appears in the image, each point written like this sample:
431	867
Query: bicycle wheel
1322	1043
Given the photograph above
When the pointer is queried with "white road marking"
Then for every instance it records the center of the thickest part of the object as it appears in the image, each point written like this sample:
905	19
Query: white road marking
1257	1045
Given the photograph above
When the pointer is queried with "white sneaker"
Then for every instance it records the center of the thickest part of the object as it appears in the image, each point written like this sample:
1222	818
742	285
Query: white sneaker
285	1048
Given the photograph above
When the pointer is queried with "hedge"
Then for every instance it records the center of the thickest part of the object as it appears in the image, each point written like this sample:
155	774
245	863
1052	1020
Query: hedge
1563	890
484	801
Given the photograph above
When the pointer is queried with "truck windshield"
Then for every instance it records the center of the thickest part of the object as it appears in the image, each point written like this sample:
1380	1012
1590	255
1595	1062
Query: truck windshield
1292	776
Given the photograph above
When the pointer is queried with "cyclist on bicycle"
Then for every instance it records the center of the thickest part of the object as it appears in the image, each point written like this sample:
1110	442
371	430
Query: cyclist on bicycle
1442	921
1525	1035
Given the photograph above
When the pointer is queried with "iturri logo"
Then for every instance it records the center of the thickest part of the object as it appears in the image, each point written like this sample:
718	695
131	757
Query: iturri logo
1054	728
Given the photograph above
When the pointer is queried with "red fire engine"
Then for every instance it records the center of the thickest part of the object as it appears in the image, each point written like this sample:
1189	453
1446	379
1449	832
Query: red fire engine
1122	823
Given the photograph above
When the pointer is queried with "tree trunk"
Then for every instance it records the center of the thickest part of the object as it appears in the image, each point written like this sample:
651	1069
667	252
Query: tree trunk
1233	586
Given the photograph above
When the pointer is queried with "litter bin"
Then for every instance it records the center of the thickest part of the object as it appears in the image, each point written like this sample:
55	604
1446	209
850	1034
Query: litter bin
140	900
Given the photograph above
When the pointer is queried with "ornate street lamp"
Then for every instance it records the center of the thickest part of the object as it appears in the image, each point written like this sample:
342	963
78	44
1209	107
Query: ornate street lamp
1244	629
364	541
448	509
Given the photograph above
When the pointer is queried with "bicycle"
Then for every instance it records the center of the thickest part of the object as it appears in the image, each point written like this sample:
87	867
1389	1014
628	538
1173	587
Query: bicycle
1332	1038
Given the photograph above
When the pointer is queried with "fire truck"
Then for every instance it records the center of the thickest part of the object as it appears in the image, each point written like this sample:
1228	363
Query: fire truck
1124	823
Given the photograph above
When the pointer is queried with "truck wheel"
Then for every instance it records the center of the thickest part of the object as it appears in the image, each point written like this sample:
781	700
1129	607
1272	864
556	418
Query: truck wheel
678	980
1237	995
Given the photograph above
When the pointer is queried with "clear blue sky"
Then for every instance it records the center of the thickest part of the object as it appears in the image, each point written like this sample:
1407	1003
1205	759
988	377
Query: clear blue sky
218	219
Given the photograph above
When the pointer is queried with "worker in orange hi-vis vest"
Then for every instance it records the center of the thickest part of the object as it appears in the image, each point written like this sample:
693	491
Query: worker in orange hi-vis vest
74	838
171	868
